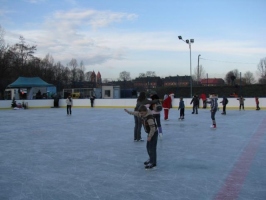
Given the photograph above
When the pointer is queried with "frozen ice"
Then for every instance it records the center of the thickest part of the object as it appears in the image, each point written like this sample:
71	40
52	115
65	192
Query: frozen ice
47	154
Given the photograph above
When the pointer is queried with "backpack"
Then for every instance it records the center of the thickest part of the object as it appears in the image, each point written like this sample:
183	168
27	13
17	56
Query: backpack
158	107
146	125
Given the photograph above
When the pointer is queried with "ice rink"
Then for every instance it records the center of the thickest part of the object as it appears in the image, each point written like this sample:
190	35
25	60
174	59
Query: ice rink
90	155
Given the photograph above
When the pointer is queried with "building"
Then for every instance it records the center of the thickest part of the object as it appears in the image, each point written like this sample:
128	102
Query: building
212	82
147	83
180	81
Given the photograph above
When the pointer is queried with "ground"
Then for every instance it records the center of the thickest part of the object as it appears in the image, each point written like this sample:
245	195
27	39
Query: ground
46	154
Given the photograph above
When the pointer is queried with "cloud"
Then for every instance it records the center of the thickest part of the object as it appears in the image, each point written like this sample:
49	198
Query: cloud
34	1
82	18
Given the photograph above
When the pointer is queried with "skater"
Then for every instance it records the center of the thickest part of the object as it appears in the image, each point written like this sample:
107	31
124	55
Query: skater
195	101
167	104
92	98
224	103
150	127
257	103
156	115
204	99
69	103
241	103
214	105
181	107
142	100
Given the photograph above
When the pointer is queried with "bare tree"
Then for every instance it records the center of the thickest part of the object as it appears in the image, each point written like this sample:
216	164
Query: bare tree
198	74
262	67
124	76
150	74
231	76
141	75
249	77
73	65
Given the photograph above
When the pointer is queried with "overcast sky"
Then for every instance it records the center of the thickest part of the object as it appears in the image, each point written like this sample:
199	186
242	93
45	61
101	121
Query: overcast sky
111	36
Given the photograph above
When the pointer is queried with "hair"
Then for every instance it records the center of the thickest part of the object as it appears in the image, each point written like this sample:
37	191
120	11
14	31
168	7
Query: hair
143	108
142	96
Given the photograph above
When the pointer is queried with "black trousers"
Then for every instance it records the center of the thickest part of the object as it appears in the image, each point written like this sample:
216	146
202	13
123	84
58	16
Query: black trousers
224	108
137	128
182	112
69	109
241	105
195	108
151	148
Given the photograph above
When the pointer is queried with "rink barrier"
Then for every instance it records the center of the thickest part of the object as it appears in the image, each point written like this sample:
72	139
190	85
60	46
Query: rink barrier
126	103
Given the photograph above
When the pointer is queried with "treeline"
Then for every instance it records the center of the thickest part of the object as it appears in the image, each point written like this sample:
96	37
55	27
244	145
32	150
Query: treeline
19	60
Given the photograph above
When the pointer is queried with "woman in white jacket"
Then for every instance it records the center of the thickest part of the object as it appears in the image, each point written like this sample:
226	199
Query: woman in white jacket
69	102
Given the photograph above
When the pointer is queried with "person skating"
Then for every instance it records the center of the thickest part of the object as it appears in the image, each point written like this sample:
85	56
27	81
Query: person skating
213	101
195	102
141	100
224	103
181	107
241	103
149	125
257	103
156	115
69	102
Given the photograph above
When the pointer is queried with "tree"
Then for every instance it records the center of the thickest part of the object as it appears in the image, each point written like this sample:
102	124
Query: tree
262	70
147	74
249	77
142	75
198	74
150	74
231	76
124	76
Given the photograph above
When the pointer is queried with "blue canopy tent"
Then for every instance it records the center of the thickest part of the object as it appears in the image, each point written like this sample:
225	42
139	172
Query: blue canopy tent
29	83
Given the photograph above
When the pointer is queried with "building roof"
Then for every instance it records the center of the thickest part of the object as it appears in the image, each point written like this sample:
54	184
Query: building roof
212	81
28	82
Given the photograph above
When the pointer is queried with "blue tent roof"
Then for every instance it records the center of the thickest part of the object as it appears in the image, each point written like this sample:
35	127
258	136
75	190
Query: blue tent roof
28	82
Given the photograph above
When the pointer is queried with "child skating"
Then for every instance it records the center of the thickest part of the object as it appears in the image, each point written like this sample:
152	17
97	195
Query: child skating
150	128
214	104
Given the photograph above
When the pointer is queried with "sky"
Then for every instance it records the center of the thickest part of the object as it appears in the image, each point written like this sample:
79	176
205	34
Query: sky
136	36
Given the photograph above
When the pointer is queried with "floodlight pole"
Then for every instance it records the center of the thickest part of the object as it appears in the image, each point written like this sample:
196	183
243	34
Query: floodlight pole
198	69
189	42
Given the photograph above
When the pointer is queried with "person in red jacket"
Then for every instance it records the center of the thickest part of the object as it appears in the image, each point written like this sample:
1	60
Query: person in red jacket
167	104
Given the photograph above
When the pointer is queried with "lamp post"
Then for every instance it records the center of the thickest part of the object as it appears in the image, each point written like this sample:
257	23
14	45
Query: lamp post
198	68
189	42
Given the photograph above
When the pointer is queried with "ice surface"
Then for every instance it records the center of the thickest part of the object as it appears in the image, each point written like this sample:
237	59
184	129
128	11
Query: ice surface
46	154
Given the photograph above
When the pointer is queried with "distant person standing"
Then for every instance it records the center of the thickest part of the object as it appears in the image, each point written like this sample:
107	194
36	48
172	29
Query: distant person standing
181	107
224	103
195	102
241	103
69	102
257	103
214	106
92	98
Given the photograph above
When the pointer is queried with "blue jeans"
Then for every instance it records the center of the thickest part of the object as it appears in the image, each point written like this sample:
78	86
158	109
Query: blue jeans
137	128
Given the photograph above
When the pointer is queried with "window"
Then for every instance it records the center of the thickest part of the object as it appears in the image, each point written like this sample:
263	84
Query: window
107	93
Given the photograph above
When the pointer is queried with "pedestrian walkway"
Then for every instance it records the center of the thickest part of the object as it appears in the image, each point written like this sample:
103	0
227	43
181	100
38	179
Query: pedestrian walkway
46	154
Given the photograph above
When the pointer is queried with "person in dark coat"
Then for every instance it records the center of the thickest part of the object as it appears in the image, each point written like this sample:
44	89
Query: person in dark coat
224	103
92	100
195	101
